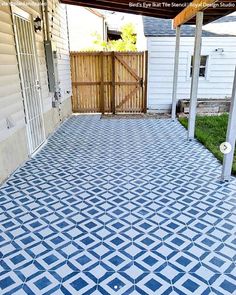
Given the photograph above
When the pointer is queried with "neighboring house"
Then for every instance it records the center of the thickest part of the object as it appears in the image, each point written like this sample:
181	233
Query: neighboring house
35	94
116	20
83	25
217	63
113	34
86	24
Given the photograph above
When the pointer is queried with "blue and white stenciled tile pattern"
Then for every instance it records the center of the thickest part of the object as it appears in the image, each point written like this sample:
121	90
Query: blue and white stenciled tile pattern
118	207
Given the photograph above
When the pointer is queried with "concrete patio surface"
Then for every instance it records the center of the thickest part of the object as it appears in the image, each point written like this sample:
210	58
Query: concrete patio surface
118	206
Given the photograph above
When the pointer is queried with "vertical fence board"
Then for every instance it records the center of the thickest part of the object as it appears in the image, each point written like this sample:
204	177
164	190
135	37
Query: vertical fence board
113	79
145	75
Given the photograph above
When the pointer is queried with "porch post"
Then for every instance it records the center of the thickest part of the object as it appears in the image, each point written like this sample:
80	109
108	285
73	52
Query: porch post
195	75
231	136
175	78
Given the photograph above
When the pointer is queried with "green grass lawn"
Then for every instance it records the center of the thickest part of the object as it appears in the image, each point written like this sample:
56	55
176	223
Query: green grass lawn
211	132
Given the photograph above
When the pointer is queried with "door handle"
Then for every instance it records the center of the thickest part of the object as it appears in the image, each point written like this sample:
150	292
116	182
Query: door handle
38	85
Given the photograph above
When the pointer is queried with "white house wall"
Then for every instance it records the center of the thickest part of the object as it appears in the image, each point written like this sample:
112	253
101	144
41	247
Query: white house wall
220	69
83	24
13	139
59	34
141	42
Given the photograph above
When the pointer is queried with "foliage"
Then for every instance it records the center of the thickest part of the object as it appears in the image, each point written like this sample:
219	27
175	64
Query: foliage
126	43
211	132
99	44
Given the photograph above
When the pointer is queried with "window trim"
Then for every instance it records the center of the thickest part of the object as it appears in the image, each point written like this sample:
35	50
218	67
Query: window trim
207	66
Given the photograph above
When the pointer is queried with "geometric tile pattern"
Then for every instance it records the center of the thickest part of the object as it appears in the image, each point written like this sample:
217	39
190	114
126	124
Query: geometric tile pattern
118	206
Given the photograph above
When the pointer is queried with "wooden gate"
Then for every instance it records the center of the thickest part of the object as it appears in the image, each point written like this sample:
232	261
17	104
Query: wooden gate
109	82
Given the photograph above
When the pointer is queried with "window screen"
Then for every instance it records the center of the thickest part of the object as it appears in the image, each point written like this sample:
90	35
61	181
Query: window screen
203	65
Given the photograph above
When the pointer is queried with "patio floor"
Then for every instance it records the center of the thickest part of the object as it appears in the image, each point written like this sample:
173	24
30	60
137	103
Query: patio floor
118	207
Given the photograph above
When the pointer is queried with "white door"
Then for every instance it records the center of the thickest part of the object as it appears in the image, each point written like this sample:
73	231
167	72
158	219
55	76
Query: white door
29	76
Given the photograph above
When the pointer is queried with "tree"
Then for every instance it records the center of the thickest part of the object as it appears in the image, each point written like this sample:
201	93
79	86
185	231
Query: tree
126	43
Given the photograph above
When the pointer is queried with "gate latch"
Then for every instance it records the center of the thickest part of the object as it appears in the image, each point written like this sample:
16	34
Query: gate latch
141	82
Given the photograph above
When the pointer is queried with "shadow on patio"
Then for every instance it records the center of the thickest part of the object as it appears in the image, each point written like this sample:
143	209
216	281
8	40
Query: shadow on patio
118	207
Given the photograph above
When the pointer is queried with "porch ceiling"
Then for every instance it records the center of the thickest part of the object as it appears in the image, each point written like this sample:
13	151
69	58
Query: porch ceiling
160	11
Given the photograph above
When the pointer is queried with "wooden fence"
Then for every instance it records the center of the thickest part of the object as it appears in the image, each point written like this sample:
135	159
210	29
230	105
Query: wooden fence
109	82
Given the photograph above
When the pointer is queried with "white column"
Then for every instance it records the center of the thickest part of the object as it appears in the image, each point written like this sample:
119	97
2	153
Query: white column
231	136
175	79
195	75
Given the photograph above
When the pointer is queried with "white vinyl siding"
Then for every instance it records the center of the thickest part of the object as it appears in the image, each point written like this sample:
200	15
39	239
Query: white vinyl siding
11	106
219	74
59	35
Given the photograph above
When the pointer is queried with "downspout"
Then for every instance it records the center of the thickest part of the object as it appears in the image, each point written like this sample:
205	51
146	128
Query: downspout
68	38
46	19
67	27
43	18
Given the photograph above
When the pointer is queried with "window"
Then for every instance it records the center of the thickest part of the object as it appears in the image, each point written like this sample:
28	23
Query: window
203	65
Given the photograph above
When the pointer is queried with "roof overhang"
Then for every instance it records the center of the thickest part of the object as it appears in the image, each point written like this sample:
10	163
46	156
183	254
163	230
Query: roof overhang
213	9
167	9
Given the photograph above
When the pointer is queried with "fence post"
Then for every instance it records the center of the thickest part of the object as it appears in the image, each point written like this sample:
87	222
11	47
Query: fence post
113	96
145	81
102	84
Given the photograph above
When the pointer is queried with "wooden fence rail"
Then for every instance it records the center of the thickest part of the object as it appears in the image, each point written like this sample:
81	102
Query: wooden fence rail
109	82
